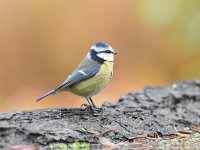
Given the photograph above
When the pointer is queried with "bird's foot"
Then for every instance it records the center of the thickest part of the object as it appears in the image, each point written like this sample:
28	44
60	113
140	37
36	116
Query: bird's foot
84	106
92	107
95	110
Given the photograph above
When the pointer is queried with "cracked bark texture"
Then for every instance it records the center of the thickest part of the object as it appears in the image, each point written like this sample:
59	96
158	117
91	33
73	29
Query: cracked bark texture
153	112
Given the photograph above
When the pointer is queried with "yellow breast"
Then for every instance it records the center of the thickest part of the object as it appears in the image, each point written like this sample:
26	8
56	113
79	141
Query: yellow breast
95	84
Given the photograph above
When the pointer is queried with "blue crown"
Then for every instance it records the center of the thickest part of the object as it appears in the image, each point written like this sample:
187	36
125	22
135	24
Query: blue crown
101	44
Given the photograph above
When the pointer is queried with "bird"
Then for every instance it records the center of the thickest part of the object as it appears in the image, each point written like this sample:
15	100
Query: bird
92	74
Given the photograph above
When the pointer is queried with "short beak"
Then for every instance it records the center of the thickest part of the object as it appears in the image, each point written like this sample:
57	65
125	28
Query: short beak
115	52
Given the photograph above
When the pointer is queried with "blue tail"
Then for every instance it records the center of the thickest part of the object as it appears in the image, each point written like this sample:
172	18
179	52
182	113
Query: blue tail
52	92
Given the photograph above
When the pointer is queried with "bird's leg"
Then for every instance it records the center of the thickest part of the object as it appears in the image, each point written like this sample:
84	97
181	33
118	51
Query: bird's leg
93	105
88	100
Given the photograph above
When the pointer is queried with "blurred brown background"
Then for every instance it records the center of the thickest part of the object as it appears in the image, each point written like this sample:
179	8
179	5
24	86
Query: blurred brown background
42	42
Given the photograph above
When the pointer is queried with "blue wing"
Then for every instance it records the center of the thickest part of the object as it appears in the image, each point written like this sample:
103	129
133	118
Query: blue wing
85	70
77	76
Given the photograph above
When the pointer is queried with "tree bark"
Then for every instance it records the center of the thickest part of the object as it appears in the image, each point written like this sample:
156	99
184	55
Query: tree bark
152	112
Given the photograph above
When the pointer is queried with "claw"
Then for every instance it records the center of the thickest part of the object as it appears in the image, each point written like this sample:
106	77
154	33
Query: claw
84	105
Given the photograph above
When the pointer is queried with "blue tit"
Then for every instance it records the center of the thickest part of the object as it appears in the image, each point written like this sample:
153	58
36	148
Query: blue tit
92	74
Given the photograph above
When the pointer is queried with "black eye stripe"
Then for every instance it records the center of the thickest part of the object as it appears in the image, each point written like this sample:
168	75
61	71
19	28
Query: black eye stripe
106	51
94	56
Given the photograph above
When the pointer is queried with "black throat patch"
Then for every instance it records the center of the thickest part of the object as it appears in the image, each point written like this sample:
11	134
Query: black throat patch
94	56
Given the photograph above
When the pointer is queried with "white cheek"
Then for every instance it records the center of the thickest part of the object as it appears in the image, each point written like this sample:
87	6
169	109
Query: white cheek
107	57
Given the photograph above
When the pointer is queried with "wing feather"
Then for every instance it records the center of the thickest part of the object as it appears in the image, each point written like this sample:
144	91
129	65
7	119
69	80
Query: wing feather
78	76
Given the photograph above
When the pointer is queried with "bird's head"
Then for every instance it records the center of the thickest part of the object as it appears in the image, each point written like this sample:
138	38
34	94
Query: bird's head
101	52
